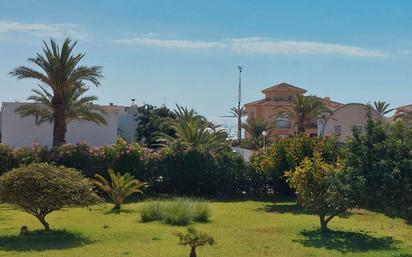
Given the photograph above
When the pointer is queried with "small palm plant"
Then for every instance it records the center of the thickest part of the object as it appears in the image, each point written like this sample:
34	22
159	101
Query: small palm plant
194	239
119	187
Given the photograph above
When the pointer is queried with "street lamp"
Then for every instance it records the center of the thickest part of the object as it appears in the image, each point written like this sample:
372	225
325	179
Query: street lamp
264	134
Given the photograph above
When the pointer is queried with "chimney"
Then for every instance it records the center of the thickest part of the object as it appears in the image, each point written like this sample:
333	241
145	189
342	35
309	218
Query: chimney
110	104
327	98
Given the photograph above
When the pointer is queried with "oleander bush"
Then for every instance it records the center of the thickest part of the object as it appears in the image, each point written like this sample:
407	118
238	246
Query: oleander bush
178	169
178	211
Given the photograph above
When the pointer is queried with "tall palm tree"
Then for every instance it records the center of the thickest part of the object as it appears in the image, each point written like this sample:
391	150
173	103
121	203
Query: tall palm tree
382	107
306	109
76	106
59	70
119	187
254	128
239	113
194	239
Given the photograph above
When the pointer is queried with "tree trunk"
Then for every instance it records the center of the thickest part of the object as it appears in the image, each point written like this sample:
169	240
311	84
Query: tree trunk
117	206
323	224
43	221
193	252
59	122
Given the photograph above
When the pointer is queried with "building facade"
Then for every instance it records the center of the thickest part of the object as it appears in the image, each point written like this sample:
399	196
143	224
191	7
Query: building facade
24	132
276	102
344	118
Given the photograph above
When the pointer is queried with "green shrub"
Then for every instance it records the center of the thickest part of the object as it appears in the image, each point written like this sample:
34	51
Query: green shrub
202	211
42	188
175	170
151	211
179	211
7	160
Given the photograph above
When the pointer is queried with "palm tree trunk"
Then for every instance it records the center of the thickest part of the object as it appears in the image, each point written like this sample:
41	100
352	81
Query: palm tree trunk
59	126
193	252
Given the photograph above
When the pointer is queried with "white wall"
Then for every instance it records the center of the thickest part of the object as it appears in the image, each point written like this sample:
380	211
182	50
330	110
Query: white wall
18	132
127	123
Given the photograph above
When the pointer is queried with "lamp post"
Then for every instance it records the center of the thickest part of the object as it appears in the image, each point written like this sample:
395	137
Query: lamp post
239	100
264	134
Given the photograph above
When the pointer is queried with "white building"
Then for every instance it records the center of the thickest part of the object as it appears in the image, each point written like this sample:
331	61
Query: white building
23	132
342	120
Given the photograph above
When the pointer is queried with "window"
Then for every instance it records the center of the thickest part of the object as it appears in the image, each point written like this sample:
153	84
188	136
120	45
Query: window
338	130
282	121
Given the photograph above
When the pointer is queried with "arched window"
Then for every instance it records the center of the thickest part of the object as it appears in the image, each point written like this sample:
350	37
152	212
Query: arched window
282	121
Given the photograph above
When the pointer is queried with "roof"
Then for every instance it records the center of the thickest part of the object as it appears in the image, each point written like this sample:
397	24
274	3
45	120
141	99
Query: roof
283	87
404	107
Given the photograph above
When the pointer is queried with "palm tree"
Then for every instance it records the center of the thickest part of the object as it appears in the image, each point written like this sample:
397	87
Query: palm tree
254	128
194	239
306	109
76	106
404	114
239	113
59	70
194	130
183	114
382	107
119	187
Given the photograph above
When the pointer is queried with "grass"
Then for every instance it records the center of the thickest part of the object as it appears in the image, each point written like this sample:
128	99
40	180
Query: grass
241	228
177	211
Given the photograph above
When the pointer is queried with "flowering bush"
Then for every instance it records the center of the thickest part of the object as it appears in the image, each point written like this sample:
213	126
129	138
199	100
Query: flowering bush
176	170
7	160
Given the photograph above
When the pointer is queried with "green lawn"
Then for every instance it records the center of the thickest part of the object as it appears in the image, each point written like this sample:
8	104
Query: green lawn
241	229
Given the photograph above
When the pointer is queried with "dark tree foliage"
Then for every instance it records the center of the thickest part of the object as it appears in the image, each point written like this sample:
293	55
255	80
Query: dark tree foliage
381	159
153	121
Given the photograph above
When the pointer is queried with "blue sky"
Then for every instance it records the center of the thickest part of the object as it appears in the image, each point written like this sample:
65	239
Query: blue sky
187	52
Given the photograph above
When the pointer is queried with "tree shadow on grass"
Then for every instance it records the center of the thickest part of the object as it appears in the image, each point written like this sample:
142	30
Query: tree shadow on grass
344	241
41	241
112	211
281	208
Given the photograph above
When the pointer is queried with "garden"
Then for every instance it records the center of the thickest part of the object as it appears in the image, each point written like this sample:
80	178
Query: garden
182	191
300	196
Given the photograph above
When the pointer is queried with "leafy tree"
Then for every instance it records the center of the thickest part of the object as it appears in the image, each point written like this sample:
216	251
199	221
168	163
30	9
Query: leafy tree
382	107
152	121
286	154
42	188
381	158
254	128
306	110
321	188
60	71
119	187
75	106
194	238
239	113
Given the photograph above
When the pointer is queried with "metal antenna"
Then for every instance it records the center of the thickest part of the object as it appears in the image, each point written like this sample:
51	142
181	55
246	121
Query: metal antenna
240	87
